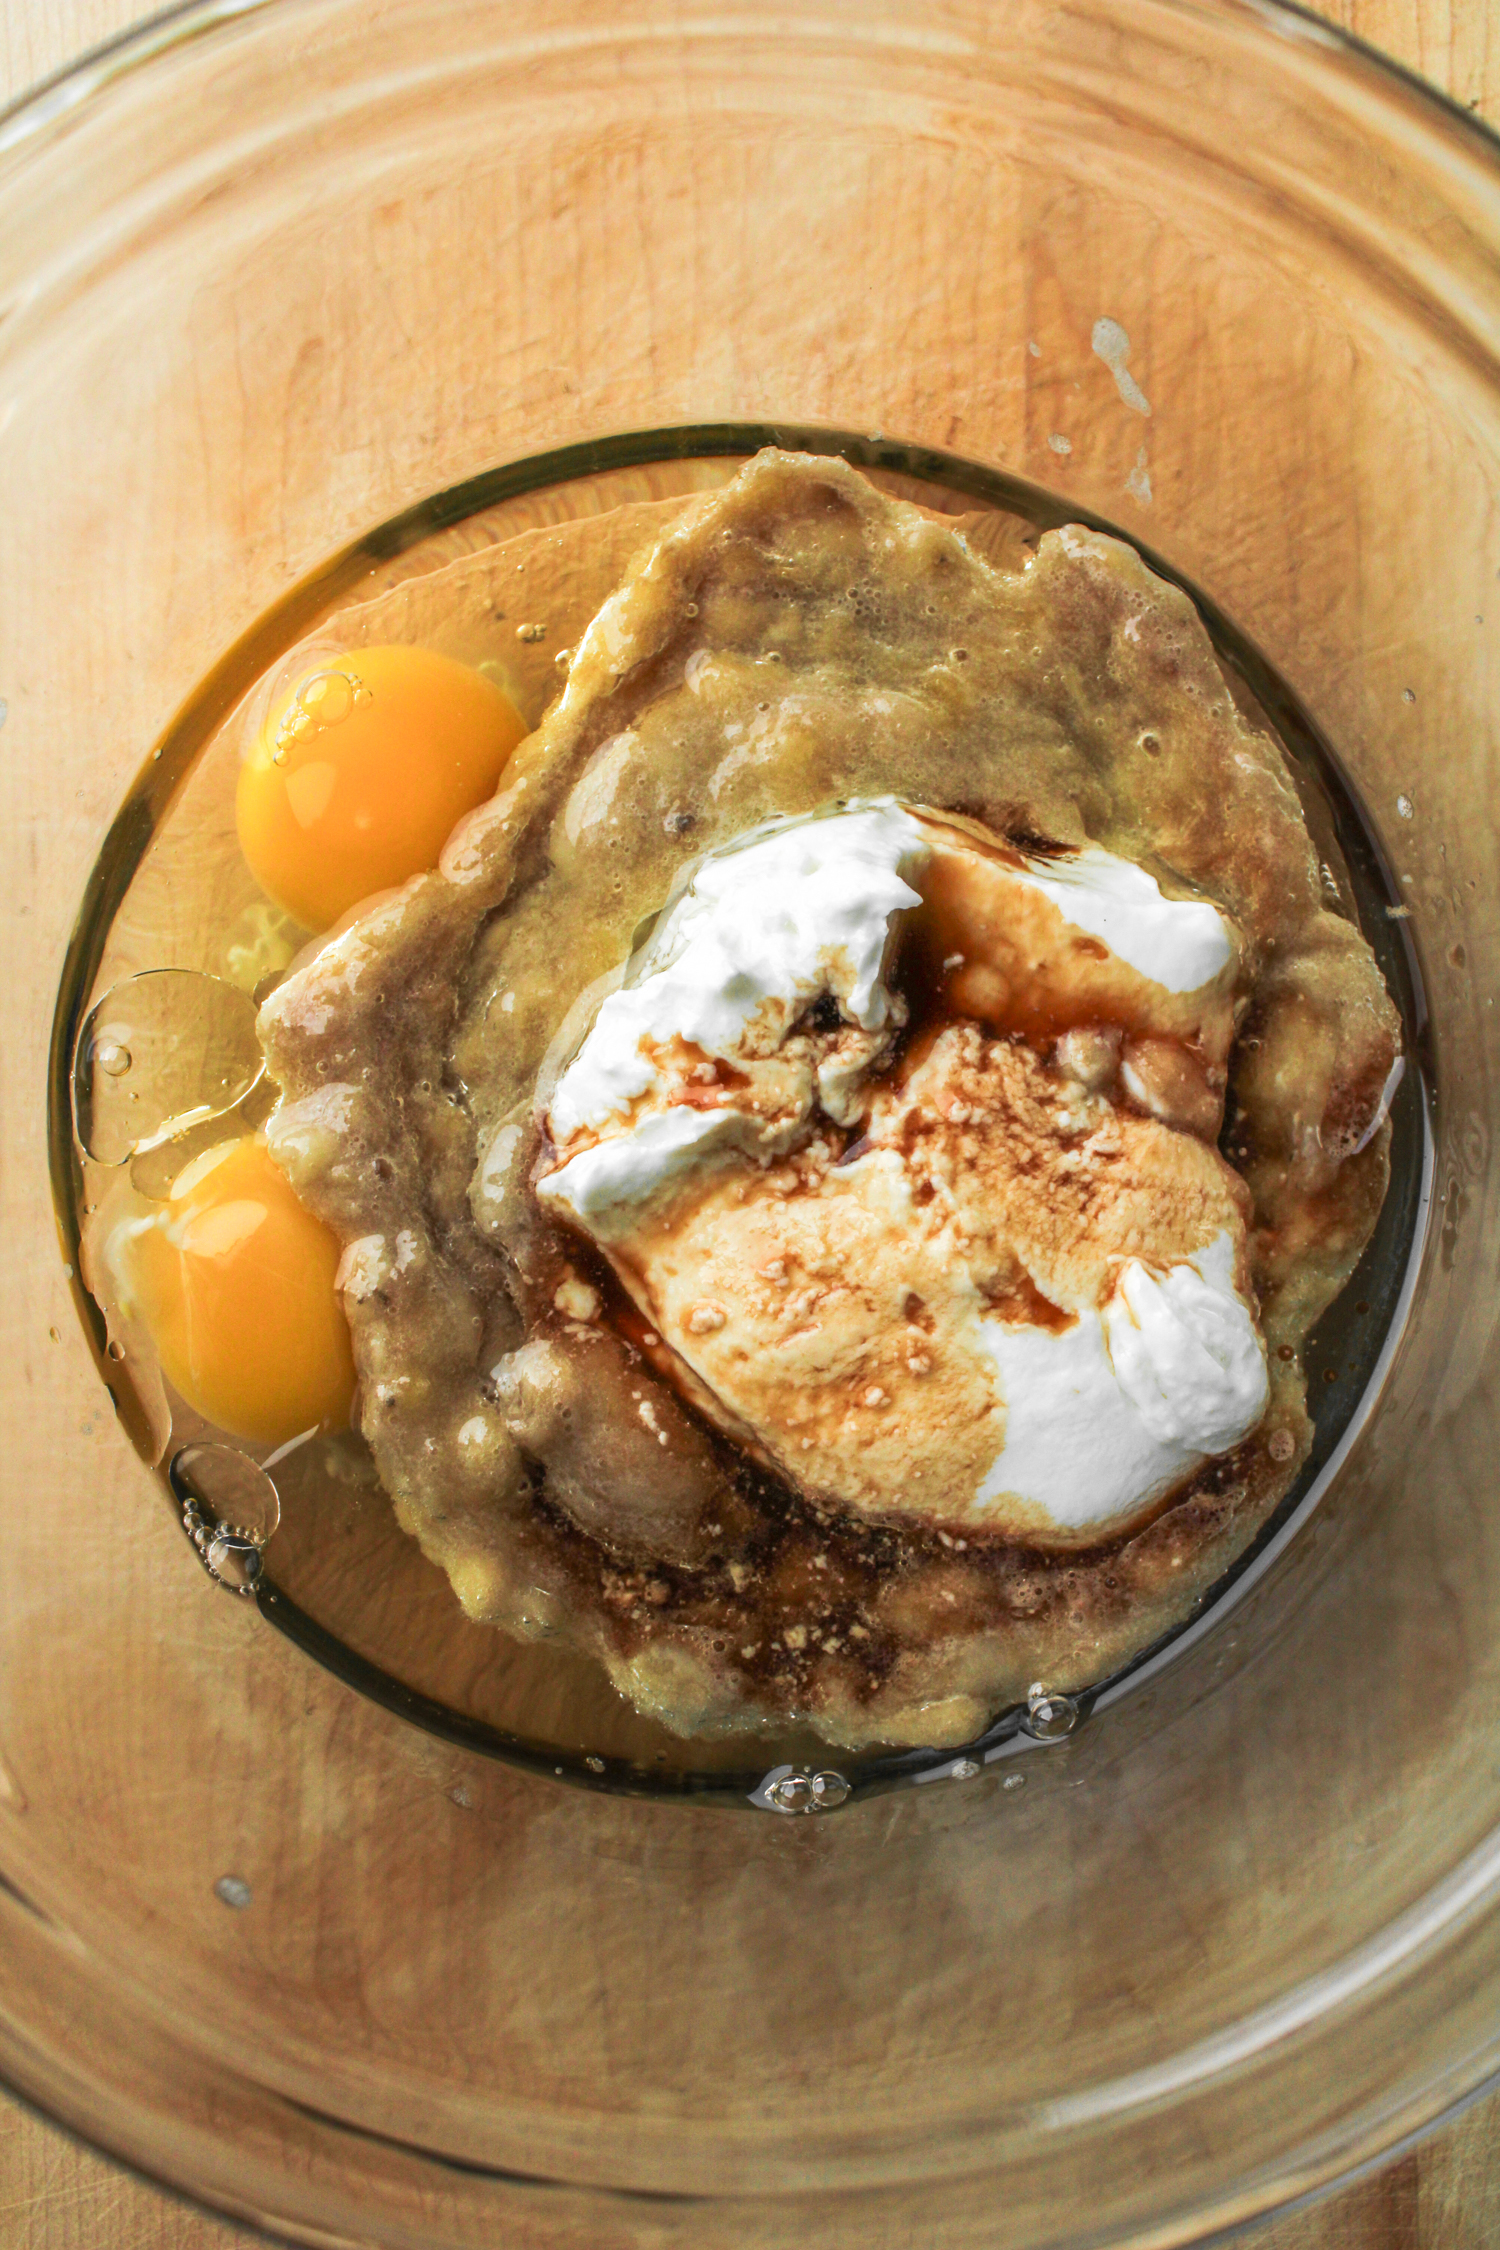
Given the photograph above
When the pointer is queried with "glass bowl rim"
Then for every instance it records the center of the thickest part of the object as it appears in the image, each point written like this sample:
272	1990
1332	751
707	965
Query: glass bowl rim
67	96
27	118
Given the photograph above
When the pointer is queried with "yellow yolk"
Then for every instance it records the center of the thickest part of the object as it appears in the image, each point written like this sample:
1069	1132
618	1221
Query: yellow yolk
233	1280
359	776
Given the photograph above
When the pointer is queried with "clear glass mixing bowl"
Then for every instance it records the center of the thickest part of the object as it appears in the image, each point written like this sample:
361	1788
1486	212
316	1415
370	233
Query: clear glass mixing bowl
271	275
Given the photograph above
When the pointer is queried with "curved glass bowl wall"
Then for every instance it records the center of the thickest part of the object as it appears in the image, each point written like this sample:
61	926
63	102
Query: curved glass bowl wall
272	277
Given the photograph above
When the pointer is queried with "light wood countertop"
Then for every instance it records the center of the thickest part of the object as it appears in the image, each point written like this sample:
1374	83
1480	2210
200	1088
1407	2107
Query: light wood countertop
1443	2195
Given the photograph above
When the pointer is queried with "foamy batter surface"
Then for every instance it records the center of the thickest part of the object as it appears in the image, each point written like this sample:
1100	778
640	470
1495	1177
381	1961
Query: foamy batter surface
791	642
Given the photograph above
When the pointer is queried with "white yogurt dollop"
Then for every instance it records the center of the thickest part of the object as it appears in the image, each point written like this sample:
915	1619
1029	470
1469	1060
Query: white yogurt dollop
765	928
1180	943
1103	1417
604	1188
762	931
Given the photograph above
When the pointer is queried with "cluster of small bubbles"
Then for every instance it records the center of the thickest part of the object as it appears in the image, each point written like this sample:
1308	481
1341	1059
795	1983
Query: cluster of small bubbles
1405	807
531	633
964	1769
595	1765
234	1891
1050	1715
797	1791
325	700
230	1509
1014	1781
234	1559
1281	1445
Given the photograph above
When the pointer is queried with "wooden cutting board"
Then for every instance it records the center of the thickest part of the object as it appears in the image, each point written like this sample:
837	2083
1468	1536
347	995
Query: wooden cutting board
1442	2195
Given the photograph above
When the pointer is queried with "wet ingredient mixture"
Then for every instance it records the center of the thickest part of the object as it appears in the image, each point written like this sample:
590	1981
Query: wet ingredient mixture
831	1171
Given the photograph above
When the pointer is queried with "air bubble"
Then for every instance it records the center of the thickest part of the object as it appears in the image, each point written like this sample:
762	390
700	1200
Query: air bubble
160	1053
234	1561
328	698
230	1509
791	1789
324	699
234	1891
229	1487
1406	808
1050	1715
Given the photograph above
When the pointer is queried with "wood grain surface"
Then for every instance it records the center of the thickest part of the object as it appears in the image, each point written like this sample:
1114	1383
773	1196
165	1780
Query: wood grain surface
1442	2195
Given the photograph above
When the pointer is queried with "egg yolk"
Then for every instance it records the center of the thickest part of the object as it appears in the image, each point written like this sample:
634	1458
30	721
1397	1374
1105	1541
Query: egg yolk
359	776
234	1281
